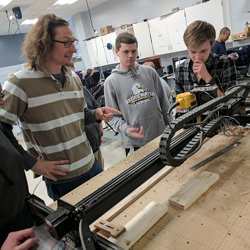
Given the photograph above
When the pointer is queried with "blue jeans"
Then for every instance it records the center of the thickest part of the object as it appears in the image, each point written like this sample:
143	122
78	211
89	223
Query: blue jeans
57	190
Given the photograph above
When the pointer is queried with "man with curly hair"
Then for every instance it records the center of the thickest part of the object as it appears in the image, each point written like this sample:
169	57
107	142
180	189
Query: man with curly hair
46	99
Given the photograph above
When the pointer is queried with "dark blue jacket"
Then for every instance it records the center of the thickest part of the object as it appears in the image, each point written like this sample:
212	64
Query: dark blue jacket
219	48
14	214
92	129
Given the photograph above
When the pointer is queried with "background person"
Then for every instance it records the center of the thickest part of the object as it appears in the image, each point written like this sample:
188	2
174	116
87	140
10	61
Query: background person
202	67
219	47
136	91
165	86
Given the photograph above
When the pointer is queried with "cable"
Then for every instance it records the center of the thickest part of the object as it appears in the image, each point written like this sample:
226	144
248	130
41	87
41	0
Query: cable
238	85
232	119
209	116
90	16
205	92
172	107
18	26
226	127
7	15
115	132
81	236
169	113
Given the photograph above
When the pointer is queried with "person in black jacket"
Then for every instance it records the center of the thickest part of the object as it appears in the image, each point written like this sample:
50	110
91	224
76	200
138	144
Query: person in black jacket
94	131
14	214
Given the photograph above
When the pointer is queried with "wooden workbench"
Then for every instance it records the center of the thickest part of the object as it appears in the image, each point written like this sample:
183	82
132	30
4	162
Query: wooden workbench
219	220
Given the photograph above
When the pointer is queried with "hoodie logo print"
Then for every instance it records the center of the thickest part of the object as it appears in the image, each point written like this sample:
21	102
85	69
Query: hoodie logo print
139	94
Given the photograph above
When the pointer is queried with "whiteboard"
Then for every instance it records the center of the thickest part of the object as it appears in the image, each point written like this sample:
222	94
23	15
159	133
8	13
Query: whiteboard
90	49
211	12
160	38
98	54
110	54
142	34
176	25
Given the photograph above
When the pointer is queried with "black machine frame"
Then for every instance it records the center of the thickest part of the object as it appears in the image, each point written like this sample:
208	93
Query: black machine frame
174	150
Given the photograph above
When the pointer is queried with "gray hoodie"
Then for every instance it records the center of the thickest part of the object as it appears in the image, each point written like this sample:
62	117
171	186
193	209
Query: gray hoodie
139	95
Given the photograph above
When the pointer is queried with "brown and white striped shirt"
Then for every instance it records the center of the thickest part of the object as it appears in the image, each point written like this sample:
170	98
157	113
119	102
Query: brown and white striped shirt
51	117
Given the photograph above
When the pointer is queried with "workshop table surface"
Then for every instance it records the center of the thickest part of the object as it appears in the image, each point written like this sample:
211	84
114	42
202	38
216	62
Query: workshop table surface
219	220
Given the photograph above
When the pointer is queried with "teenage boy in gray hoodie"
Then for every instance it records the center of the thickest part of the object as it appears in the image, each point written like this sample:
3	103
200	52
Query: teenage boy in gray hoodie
136	91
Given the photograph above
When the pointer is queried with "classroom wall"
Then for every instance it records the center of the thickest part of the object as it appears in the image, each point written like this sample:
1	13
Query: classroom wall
240	13
118	12
10	50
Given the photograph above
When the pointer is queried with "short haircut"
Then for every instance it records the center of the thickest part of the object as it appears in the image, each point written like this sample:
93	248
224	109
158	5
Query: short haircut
125	37
225	30
197	33
38	42
150	64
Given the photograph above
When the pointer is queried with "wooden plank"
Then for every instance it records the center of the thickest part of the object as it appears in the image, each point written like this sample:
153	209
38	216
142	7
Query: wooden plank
140	224
131	198
220	219
193	190
109	229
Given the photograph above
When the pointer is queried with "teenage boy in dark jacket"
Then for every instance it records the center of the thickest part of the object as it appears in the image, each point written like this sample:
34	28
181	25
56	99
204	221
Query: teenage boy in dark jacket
94	131
14	212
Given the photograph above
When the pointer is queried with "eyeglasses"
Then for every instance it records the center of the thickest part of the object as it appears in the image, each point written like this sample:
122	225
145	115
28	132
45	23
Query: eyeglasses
67	44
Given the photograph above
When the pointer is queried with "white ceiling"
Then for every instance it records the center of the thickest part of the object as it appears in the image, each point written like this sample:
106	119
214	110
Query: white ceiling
34	8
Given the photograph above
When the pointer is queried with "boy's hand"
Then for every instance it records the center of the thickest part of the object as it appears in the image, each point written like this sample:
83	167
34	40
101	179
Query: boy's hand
200	70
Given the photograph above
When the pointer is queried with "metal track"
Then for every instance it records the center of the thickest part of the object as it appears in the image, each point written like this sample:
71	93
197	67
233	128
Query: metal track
119	187
205	129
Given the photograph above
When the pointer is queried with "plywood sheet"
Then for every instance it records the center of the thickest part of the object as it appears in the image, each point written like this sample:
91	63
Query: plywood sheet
219	220
213	222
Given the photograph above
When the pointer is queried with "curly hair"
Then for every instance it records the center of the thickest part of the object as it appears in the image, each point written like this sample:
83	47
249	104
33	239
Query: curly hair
199	32
39	40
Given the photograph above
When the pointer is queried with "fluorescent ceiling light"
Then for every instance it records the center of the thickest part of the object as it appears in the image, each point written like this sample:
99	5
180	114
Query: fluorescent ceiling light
29	21
4	2
63	2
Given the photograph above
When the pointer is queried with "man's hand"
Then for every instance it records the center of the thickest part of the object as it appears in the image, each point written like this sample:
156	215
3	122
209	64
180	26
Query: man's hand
234	56
200	70
135	133
219	92
20	240
51	169
106	113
